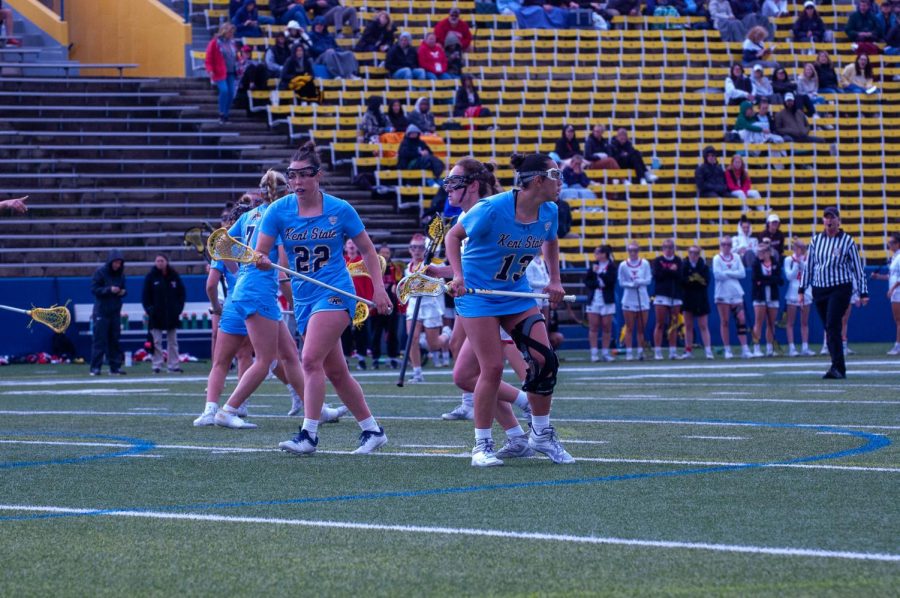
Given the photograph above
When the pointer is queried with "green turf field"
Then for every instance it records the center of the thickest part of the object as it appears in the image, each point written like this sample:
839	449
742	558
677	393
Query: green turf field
693	478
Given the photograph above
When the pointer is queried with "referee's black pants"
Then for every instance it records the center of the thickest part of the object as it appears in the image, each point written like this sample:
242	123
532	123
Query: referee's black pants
832	303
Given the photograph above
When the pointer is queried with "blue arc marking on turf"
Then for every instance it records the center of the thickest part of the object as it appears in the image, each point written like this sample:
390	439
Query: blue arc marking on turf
137	447
873	442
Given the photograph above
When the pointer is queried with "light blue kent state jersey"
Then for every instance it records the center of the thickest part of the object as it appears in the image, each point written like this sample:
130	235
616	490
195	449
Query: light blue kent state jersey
497	252
314	245
252	283
230	278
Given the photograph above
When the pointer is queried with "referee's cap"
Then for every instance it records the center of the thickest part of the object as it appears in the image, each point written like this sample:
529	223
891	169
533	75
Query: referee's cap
832	211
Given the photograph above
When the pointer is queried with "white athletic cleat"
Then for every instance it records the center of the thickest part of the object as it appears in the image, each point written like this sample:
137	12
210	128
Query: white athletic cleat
370	441
849	351
517	446
807	353
462	411
416	378
483	454
710	356
331	415
607	358
207	418
757	352
747	354
595	358
231	420
793	353
629	357
729	354
657	356
546	442
296	403
301	444
824	350
895	350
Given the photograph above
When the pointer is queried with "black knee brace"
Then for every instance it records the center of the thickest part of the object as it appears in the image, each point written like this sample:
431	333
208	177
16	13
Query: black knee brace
741	326
543	381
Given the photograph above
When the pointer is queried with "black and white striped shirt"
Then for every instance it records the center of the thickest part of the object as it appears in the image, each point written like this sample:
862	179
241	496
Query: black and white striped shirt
834	261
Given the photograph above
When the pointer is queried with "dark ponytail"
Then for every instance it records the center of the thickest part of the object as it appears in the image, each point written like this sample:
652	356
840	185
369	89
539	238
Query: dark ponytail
308	153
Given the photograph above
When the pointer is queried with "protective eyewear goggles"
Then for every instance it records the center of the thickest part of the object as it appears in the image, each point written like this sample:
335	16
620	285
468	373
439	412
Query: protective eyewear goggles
554	174
301	173
456	181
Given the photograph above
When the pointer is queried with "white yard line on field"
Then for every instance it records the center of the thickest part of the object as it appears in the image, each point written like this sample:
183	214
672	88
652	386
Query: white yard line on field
460	455
715	437
472	532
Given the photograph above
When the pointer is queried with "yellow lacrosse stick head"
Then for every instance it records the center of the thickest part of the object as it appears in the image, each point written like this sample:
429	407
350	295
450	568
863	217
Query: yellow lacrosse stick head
418	285
57	317
193	237
359	268
360	315
222	246
436	230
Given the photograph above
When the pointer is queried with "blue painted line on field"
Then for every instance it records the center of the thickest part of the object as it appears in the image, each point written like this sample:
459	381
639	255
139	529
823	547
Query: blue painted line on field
138	446
873	442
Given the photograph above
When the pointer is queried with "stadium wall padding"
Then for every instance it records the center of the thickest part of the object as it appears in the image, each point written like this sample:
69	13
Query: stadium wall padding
43	18
870	324
142	32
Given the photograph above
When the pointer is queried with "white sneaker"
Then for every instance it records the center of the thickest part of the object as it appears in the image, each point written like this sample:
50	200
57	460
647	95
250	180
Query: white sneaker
747	354
301	444
415	378
595	358
296	403
657	356
629	357
231	420
824	350
331	415
793	353
546	442
207	418
849	351
517	446
608	358
462	411
729	354
369	441
895	350
649	177
807	353
709	355
757	352
483	454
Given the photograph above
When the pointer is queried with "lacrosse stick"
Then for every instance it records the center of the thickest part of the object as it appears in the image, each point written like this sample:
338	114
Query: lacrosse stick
420	285
359	268
222	246
436	231
57	317
193	237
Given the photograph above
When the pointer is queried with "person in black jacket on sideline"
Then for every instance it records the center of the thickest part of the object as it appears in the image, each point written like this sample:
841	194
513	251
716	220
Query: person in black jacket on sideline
709	176
600	283
695	279
766	278
163	300
414	154
108	288
667	303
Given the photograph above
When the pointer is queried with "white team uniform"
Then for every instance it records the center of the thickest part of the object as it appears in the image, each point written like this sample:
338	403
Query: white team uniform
431	309
634	278
894	277
596	306
728	273
793	271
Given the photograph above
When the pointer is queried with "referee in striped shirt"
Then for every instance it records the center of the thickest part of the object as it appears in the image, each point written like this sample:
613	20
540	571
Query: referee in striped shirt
834	265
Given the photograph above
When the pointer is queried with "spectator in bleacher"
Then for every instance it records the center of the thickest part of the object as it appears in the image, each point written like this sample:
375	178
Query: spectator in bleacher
163	299
892	36
695	280
233	7
755	50
15	205
634	276
858	77
808	85
452	31
296	34
247	20
781	85
623	7
596	150
730	28
766	119
791	123
395	114
334	13
772	235
738	87
886	16
742	8
760	84
566	146
864	29
750	130
252	75
737	179
378	36
433	59
297	75
422	116
809	26
600	283
6	17
286	11
277	54
709	177
542	14
728	271
414	154
108	288
221	65
402	60
576	184
467	101
826	74
374	123
341	64
669	296
766	277
627	156
774	8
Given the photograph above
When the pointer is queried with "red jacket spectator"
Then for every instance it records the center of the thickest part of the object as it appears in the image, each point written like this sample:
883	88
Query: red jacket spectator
432	57
458	27
737	183
215	62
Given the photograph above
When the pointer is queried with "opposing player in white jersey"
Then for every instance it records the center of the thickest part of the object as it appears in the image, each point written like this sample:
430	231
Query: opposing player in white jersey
794	266
728	271
634	277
